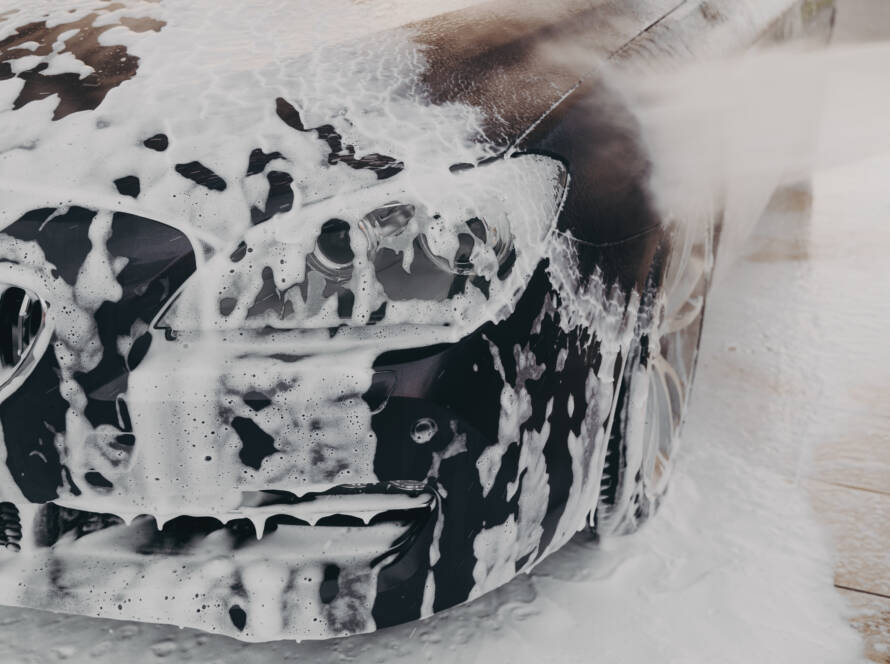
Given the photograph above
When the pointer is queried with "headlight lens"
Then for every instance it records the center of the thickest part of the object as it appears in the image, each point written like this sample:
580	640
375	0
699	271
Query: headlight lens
22	322
333	257
449	250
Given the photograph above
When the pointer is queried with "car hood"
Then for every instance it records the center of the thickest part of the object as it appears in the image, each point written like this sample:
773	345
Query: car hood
167	109
197	114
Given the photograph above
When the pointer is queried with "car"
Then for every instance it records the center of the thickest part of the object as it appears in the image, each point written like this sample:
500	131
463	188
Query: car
317	318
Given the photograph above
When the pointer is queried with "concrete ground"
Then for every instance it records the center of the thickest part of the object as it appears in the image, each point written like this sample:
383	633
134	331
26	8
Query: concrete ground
812	294
849	479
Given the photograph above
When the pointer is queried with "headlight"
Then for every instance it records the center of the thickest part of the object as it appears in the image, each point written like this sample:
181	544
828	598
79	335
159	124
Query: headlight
451	250
22	326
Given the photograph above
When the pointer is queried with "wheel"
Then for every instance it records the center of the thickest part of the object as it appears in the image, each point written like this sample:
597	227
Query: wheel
655	386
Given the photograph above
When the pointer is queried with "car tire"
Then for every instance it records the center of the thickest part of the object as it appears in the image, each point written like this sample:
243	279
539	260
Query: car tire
655	386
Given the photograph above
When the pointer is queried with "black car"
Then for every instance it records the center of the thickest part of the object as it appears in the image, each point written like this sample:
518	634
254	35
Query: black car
317	318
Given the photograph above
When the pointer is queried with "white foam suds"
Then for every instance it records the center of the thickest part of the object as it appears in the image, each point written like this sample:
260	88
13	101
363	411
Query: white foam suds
733	570
319	422
185	399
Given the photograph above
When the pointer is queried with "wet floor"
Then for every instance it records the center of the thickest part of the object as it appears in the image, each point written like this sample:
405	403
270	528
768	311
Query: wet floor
848	475
815	290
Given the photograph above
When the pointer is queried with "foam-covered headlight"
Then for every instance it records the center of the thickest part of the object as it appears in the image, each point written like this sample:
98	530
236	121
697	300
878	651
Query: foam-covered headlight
453	249
22	333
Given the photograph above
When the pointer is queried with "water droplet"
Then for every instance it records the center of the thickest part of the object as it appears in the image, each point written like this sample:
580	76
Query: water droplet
424	430
64	652
164	648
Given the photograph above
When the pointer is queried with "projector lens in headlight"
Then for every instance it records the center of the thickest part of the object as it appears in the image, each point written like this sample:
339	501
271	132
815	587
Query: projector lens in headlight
333	257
